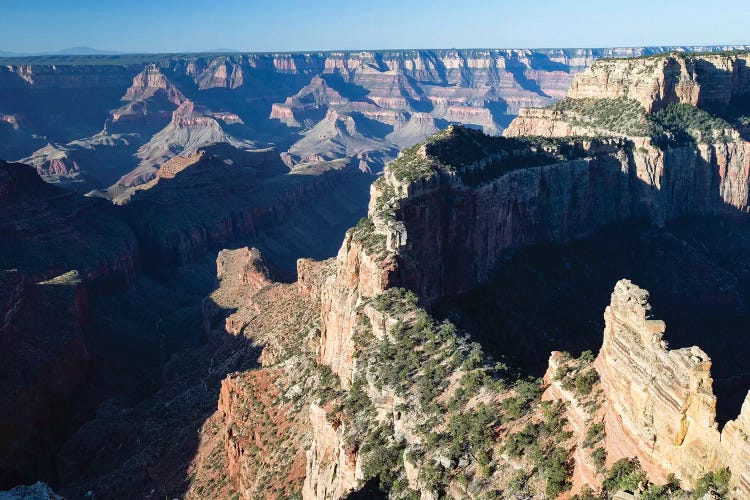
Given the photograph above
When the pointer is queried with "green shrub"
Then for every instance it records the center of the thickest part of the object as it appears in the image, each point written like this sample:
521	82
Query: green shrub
586	358
518	482
663	492
584	381
364	232
555	467
683	122
433	476
599	457
562	372
396	300
517	443
472	432
587	494
716	482
625	474
594	434
410	166
382	457
553	422
624	116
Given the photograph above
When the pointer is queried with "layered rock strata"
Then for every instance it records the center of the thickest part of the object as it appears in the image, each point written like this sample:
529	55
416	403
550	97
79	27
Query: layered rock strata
389	379
43	357
47	231
658	404
132	98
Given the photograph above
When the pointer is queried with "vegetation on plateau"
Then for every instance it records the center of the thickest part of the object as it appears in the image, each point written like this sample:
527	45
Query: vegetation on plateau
676	124
623	116
478	158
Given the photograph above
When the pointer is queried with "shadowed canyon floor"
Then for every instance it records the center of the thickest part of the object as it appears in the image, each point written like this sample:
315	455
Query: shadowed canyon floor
551	297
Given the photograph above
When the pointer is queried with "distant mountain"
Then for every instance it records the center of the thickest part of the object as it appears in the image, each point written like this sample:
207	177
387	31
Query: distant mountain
70	51
84	51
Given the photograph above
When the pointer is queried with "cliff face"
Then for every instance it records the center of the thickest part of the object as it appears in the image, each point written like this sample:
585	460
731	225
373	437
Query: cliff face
446	234
151	96
48	231
658	404
630	98
445	214
359	275
711	81
43	361
662	407
734	439
341	378
331	470
43	357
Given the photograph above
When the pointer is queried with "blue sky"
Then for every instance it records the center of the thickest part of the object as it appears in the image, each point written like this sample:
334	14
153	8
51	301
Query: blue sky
283	25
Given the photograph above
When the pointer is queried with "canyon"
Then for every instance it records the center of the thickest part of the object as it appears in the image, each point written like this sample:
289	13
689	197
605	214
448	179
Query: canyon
405	365
437	205
108	122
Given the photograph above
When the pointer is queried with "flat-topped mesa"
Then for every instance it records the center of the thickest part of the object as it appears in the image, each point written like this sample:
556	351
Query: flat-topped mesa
679	112
489	196
705	80
619	96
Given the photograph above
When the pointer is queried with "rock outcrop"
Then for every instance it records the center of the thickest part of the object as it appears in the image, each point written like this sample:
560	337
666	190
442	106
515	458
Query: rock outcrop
658	404
44	359
624	98
445	214
736	445
151	96
342	378
358	275
427	207
331	471
662	408
36	491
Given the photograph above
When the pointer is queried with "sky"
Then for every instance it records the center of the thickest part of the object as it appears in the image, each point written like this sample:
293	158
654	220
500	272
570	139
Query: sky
138	26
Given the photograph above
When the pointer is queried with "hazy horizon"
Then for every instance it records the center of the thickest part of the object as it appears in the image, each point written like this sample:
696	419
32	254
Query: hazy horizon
294	26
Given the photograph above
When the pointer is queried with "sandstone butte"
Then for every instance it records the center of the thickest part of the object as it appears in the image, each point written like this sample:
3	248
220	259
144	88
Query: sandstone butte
464	190
360	382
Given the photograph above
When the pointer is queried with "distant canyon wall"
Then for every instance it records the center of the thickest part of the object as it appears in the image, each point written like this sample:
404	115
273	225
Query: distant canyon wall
85	122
